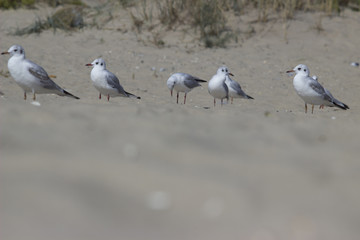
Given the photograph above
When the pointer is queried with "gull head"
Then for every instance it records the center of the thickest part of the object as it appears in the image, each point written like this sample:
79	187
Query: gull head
15	50
224	71
300	69
98	63
171	82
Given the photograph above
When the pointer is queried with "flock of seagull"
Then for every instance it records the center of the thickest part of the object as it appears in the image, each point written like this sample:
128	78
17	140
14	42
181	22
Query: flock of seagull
32	78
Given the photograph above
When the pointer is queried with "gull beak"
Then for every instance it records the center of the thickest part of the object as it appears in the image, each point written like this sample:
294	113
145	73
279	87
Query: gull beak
89	64
231	74
290	71
5	53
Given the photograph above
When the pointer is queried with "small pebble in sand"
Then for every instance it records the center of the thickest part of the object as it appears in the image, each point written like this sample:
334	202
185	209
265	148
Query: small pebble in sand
36	103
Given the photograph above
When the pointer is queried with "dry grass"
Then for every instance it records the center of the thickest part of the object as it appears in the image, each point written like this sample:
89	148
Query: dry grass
207	19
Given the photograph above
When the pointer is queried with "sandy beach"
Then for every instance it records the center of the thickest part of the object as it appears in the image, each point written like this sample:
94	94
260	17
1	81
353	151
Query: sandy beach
257	169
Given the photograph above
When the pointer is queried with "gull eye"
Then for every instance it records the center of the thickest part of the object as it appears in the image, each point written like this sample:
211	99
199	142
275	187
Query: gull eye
304	70
222	69
97	63
299	69
15	50
101	64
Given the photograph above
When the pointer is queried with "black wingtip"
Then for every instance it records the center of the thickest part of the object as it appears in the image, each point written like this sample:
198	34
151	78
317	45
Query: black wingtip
200	80
341	105
70	95
249	97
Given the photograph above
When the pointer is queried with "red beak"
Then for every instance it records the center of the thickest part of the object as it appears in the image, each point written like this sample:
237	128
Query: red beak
89	64
5	53
290	71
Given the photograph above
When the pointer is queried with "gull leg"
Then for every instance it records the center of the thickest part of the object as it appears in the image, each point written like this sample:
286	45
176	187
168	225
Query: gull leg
34	96
322	106
305	108
221	102
312	109
24	95
184	98
99	95
232	100
171	92
108	97
214	102
177	97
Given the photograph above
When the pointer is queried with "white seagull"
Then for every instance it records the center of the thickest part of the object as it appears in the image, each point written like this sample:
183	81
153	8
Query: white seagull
217	86
106	82
311	91
235	90
30	76
182	82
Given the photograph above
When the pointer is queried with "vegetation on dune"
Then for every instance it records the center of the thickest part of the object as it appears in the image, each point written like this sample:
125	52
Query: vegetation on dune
208	19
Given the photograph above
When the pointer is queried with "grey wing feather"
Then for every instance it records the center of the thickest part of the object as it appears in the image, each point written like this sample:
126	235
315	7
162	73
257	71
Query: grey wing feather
236	86
190	82
226	89
113	81
316	86
45	80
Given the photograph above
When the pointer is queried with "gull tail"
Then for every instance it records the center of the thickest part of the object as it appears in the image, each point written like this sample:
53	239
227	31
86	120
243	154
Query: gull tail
200	80
67	94
339	104
132	95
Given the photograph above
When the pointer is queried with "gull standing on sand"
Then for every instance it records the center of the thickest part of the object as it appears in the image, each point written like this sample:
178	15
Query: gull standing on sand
106	82
30	76
217	86
182	82
235	90
311	91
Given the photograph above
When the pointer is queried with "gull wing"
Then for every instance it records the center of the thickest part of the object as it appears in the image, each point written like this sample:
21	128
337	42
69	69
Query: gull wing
113	81
38	72
316	86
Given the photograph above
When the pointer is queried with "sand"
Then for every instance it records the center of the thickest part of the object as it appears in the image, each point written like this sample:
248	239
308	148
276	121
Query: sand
154	169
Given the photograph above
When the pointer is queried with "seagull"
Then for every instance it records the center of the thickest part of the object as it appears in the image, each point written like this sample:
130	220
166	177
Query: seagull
217	86
30	76
235	90
311	91
106	82
182	82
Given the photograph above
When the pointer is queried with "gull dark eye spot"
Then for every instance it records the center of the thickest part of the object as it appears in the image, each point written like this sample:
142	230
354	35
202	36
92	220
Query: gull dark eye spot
299	69
96	63
304	70
101	64
15	50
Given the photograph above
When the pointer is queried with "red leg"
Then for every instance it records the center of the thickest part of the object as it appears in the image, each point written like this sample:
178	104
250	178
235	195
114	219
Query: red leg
99	95
184	98
108	97
177	97
312	109
171	92
24	95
